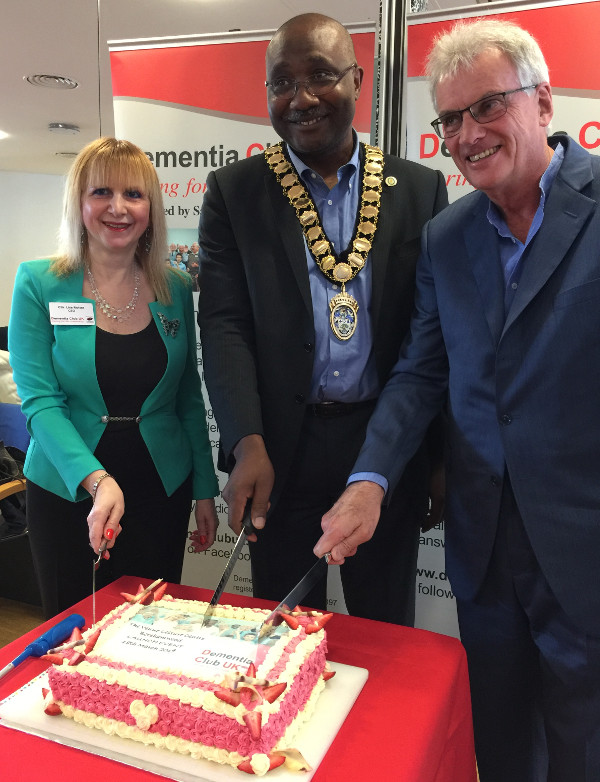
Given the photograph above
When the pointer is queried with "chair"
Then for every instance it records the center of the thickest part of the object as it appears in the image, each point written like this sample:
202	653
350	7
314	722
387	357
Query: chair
17	574
13	429
12	487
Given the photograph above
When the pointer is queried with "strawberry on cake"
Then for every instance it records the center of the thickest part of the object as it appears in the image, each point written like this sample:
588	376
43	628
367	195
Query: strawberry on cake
151	672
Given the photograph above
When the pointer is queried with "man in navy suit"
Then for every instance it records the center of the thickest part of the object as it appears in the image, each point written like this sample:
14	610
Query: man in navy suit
506	335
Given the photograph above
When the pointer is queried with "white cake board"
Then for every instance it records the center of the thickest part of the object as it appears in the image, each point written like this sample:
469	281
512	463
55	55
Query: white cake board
23	710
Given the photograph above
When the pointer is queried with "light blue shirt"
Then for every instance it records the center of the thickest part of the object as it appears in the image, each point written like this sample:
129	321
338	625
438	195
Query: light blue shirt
343	370
511	248
511	252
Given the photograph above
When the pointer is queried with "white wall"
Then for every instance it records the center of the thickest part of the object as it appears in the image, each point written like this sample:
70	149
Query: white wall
29	220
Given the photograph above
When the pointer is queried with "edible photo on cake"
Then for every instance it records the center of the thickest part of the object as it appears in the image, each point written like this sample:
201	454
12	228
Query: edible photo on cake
152	673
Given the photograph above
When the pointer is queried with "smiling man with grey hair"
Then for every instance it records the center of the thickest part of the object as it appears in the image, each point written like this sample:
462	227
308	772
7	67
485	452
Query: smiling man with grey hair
506	335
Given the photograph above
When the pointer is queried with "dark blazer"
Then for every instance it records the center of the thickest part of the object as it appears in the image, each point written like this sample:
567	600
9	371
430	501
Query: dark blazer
522	391
255	309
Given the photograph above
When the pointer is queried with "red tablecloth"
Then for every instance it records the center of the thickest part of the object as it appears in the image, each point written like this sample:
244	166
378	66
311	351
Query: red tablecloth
411	722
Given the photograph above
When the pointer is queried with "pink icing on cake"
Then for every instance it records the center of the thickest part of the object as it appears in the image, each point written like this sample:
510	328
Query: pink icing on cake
211	707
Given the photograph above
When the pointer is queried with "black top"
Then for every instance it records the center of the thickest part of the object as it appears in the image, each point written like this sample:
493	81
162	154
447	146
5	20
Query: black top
128	367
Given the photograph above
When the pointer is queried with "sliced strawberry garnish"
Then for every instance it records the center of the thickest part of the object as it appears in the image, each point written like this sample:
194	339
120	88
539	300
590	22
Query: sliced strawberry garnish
76	658
251	671
75	635
273	691
146	599
228	696
327	675
292	621
129	598
159	591
313	627
55	658
50	706
253	720
323	619
274	761
91	641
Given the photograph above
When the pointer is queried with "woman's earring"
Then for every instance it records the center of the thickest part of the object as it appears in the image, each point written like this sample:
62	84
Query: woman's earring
148	241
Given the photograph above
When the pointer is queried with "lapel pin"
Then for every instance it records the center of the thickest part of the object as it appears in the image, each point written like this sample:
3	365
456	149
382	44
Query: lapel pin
170	326
391	181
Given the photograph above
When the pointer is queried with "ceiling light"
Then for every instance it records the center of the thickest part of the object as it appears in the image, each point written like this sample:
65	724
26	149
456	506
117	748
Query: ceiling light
3	135
66	154
63	127
53	82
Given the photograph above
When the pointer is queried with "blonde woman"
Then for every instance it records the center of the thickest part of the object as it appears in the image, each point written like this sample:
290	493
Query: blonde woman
103	348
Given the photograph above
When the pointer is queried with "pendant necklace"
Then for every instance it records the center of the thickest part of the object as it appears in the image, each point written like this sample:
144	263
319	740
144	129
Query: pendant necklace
343	267
120	314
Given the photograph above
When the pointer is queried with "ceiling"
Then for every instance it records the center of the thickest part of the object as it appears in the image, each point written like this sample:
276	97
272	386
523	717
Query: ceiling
68	38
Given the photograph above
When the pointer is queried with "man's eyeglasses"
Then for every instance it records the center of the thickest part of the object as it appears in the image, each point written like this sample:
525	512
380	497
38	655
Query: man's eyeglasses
320	83
483	111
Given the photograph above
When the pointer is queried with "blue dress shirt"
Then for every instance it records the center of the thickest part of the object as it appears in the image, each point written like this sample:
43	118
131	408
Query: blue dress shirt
511	248
343	370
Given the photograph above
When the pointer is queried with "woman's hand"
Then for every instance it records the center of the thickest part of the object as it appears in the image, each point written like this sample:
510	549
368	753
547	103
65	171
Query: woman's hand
206	522
107	510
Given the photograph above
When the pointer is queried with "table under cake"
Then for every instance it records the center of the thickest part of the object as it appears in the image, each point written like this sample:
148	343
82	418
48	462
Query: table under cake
411	721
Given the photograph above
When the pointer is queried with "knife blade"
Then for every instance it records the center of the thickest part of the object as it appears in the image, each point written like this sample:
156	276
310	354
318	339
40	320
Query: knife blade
95	566
247	529
294	597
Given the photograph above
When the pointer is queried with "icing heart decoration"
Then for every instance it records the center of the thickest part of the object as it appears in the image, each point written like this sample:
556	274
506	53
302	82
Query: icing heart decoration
145	716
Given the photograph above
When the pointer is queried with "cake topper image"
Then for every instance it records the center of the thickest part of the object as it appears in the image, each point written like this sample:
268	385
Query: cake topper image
153	674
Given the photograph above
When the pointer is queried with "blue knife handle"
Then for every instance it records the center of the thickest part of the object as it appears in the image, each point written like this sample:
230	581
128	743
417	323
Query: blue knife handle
51	638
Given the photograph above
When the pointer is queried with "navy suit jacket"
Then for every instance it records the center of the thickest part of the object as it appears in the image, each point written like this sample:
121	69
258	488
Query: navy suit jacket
523	391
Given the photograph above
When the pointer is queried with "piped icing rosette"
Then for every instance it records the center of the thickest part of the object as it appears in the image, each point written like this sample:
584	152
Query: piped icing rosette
155	675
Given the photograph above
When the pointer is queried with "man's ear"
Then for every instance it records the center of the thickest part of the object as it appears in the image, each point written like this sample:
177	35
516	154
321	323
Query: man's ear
358	77
546	107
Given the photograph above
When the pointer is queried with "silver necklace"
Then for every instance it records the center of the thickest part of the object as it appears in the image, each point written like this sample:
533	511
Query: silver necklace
119	314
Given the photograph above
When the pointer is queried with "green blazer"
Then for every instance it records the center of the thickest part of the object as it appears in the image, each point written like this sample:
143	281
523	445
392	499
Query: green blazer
54	369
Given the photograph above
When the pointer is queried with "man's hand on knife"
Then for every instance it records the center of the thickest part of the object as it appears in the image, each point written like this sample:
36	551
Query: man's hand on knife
350	522
251	478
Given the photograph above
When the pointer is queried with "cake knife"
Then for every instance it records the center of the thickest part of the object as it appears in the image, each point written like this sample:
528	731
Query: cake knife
247	529
95	566
293	598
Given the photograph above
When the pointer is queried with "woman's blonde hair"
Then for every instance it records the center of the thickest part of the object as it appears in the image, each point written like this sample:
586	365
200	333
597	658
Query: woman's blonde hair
118	162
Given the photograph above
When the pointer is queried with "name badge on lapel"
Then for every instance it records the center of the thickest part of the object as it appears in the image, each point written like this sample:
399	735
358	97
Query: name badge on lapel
64	313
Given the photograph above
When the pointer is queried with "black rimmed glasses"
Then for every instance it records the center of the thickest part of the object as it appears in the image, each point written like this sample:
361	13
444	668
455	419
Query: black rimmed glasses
483	111
320	83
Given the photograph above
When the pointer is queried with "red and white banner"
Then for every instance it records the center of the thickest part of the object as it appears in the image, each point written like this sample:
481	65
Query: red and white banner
564	33
199	105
